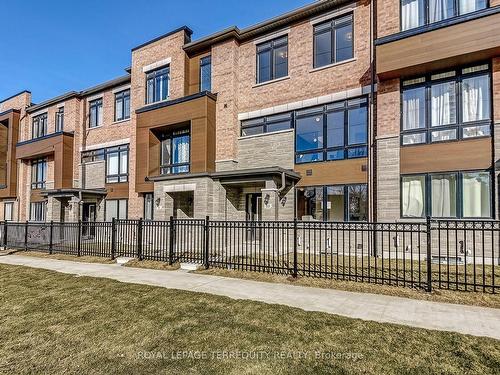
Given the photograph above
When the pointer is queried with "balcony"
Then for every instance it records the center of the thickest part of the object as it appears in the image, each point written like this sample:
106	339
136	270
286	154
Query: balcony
9	125
194	114
60	146
460	40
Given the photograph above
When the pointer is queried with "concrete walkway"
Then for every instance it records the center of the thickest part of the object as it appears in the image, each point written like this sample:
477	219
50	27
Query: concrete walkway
478	321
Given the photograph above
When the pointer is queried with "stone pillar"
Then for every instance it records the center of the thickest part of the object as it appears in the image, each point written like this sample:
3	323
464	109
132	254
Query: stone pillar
74	209
388	189
53	209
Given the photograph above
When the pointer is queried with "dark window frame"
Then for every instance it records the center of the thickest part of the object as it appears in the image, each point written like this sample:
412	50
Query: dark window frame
93	155
96	120
324	111
204	62
117	200
59	120
122	97
119	150
41	209
152	75
274	44
37	181
266	122
332	31
170	136
39	126
345	188
459	194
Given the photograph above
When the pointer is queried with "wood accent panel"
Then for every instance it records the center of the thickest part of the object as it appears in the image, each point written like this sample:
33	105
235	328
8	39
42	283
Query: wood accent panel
193	73
36	196
443	157
333	172
458	44
199	113
10	130
117	191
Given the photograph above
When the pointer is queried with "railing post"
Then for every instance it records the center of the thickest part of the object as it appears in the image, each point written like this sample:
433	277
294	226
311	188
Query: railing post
206	249
79	251
139	238
26	236
171	241
429	254
113	238
295	265
51	236
5	235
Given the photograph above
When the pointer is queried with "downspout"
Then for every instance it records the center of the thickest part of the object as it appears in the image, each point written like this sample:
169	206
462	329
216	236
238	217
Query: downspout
283	183
371	129
83	171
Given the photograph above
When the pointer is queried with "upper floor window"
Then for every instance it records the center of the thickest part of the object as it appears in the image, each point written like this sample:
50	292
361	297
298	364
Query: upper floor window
332	132
174	154
333	41
415	13
206	73
38	173
117	164
39	126
267	124
60	119
446	106
157	85
38	211
95	113
122	105
272	59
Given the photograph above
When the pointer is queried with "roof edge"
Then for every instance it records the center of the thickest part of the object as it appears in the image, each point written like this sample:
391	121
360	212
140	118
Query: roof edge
13	96
184	28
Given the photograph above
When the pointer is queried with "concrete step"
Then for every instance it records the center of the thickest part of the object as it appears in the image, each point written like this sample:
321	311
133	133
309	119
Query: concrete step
191	266
122	260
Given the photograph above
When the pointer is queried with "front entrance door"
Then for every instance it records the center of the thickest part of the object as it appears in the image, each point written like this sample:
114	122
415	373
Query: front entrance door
88	218
253	215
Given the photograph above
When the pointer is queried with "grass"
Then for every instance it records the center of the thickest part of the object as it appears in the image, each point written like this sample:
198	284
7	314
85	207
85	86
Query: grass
152	264
437	295
56	323
74	258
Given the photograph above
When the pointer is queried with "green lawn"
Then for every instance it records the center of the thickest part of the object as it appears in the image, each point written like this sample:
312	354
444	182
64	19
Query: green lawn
54	323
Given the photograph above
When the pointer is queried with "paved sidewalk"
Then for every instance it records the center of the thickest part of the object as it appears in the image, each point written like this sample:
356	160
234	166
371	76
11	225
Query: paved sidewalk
478	321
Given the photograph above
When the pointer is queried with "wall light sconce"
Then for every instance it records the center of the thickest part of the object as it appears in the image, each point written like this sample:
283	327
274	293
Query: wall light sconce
157	202
283	201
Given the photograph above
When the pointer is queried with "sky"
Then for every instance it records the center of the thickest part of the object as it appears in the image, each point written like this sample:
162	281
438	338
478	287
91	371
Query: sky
50	47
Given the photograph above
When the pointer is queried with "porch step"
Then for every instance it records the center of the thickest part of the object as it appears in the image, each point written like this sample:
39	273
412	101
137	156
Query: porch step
122	260
191	266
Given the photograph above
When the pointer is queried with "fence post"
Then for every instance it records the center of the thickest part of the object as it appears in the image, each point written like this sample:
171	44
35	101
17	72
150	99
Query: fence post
429	254
26	236
139	238
295	265
5	235
113	238
51	235
206	250
79	251
171	241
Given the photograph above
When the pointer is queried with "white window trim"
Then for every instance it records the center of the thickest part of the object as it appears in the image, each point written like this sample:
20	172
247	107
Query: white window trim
95	97
156	65
275	35
120	89
334	14
97	146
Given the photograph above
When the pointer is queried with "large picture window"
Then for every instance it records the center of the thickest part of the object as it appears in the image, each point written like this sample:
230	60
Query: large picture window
95	113
116	209
122	105
117	164
446	106
38	173
206	73
157	85
332	203
333	41
39	126
332	132
447	195
415	13
175	153
38	211
272	59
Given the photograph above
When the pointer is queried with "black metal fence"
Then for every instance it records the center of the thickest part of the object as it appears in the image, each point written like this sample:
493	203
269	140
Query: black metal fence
456	255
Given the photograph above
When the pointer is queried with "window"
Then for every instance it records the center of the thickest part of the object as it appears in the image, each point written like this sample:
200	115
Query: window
95	113
206	73
116	209
148	206
38	211
60	120
157	85
122	105
446	106
39	126
415	13
332	132
272	59
38	173
117	164
447	195
174	154
8	211
333	203
333	41
93	155
267	124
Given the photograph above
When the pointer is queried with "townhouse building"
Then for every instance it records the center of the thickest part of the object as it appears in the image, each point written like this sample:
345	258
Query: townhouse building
336	111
